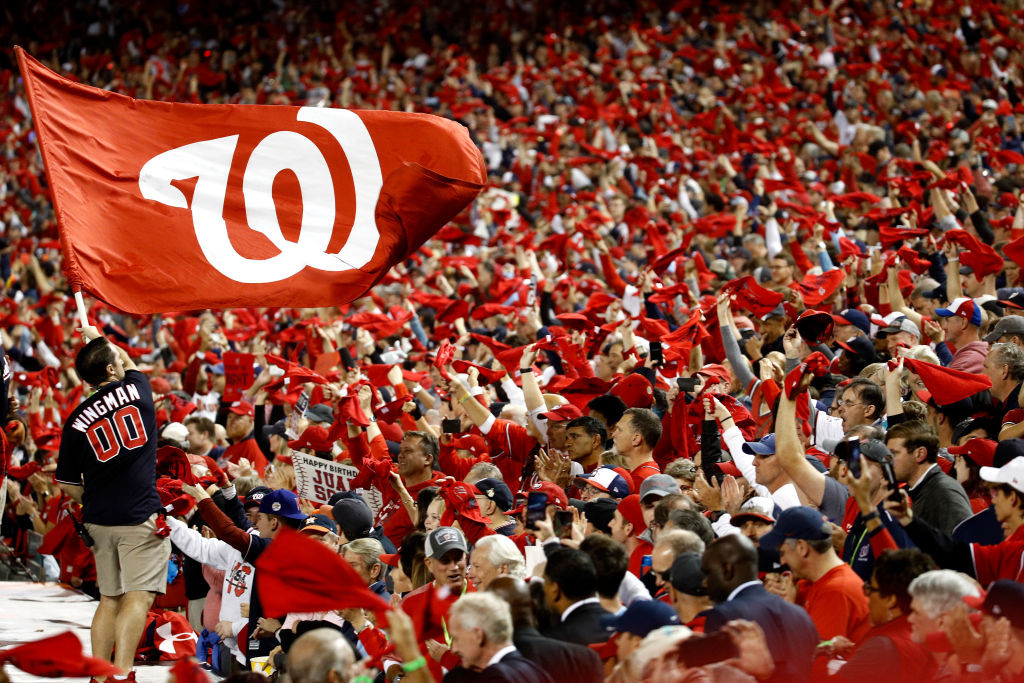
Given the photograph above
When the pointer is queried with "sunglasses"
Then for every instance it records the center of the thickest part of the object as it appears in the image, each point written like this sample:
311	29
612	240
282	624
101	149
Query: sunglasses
869	589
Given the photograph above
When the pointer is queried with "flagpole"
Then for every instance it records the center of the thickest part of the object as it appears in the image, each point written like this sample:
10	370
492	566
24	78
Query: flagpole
82	317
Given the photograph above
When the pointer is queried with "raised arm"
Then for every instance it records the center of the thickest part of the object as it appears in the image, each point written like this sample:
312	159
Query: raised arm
790	452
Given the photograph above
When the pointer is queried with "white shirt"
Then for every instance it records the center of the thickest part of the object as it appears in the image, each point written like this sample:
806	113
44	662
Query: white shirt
919	479
572	608
500	654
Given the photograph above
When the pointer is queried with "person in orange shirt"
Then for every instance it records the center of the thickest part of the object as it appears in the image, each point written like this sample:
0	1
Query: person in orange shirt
832	593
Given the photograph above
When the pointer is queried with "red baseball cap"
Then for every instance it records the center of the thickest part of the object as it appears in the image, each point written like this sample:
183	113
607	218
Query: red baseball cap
634	390
562	413
981	451
314	437
242	408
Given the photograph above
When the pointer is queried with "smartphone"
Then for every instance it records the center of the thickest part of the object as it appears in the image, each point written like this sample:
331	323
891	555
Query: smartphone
890	478
451	426
686	383
562	522
698	651
656	355
854	462
536	508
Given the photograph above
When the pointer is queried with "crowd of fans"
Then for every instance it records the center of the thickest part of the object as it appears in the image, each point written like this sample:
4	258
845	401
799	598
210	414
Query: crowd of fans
719	378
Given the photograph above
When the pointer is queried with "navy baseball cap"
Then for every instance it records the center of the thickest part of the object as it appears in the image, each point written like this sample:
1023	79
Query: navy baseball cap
765	446
321	523
640	618
255	495
800	523
498	491
851	316
282	503
687	574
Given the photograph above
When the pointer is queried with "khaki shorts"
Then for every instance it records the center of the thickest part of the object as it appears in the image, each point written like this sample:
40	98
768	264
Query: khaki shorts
130	558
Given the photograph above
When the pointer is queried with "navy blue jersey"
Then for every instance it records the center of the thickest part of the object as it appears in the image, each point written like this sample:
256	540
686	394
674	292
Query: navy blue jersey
109	446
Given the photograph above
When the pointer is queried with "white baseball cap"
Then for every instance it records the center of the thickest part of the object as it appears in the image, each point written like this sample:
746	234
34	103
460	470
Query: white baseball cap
1011	473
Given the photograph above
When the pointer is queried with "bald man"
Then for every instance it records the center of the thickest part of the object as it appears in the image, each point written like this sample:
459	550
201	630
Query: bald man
563	661
730	564
320	656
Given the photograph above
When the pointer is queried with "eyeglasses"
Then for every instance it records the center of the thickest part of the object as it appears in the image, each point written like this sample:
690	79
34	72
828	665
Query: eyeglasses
840	403
869	589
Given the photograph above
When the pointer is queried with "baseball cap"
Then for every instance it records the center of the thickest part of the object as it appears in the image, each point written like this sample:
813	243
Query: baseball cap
321	523
443	539
320	413
600	513
981	451
176	432
660	485
777	312
962	307
860	347
606	479
242	408
800	522
562	413
474	443
1004	598
313	437
875	450
640	618
757	508
283	503
554	493
278	428
1011	324
353	517
687	575
766	446
814	326
635	390
255	495
498	491
900	324
1015	300
851	316
1011	473
391	559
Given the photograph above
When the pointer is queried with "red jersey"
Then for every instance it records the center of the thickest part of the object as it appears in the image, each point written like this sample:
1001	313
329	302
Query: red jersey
511	448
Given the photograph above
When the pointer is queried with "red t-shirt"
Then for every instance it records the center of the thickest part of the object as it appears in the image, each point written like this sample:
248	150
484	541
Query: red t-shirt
250	450
837	604
643	471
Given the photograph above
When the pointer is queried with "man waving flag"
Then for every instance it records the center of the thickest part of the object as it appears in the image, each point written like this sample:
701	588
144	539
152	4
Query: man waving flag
168	206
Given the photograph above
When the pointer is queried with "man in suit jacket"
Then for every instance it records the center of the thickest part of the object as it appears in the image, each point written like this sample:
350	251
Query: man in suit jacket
730	564
570	589
481	632
563	661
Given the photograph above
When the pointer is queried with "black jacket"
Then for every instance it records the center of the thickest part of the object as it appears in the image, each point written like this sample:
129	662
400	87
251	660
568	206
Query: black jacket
940	500
563	661
583	626
513	668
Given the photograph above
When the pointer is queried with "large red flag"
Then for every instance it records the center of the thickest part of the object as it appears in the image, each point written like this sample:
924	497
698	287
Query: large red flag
168	206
